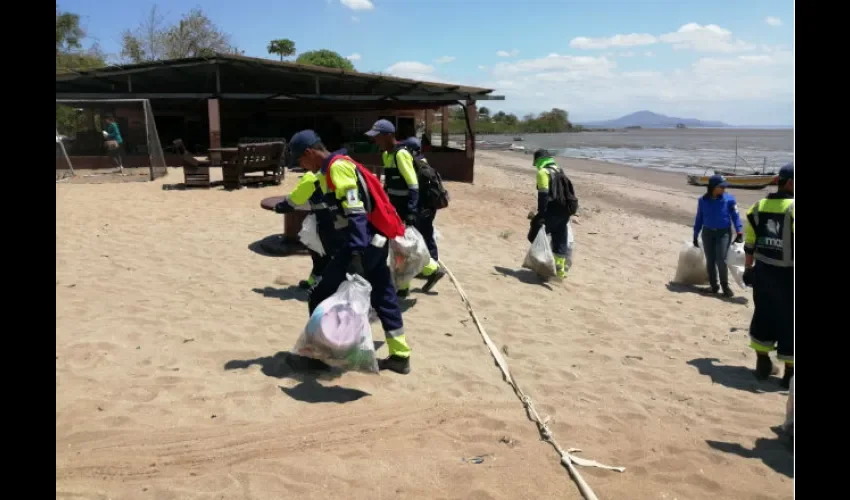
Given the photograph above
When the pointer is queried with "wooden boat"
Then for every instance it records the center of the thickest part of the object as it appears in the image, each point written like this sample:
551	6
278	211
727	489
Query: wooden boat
737	181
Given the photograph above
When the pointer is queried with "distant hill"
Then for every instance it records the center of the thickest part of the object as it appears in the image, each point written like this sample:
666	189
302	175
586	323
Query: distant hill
648	119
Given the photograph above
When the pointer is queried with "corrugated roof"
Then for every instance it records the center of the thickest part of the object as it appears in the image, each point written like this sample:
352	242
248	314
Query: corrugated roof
236	75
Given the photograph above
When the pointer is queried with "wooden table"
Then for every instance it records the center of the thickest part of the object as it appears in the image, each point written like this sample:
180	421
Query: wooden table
288	242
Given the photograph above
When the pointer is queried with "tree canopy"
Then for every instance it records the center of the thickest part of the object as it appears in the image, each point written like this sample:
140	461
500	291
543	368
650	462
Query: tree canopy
325	58
552	121
194	35
70	56
283	47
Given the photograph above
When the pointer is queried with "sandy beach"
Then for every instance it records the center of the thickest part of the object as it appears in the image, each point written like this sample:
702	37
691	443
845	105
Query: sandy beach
171	338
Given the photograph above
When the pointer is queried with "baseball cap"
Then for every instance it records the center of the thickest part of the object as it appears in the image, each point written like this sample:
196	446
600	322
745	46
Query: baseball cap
300	142
542	153
381	127
717	180
787	171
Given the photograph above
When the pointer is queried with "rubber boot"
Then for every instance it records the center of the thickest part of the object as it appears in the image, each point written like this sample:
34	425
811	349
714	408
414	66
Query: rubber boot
764	367
396	364
786	377
727	292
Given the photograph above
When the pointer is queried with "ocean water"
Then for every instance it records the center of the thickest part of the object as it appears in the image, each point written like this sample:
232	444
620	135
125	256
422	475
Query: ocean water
679	150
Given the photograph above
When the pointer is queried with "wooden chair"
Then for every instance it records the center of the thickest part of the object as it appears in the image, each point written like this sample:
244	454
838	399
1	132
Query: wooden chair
196	169
265	158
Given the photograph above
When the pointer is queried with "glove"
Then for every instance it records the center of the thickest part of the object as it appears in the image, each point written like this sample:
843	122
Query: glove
748	276
355	265
282	207
696	242
739	238
410	220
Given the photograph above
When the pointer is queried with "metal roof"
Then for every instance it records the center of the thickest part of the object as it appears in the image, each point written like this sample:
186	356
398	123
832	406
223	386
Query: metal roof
230	76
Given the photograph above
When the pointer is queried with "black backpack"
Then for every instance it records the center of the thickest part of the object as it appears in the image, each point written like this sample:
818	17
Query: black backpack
562	193
432	194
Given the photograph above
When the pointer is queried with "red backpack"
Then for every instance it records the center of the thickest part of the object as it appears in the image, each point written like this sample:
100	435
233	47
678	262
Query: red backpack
379	211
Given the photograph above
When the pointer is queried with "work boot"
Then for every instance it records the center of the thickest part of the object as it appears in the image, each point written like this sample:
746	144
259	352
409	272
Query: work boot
764	367
433	279
727	292
403	293
395	364
715	288
786	377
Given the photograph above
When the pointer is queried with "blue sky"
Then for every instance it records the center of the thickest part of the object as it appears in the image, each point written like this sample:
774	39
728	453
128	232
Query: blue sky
711	59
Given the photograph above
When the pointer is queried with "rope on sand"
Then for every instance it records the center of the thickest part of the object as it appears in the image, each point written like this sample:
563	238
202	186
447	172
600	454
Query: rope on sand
567	459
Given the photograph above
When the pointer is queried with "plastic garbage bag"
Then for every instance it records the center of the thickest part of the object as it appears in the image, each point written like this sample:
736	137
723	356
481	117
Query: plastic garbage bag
691	269
309	235
437	235
735	261
408	256
338	331
571	240
540	258
789	411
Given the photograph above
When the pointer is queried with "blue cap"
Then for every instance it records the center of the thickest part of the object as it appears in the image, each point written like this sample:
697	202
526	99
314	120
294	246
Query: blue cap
412	143
381	127
717	180
300	142
787	171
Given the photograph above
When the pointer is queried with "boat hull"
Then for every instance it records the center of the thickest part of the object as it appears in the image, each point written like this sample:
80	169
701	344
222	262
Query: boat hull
737	181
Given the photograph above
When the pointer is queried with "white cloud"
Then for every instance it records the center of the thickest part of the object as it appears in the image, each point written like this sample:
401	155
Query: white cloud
354	57
482	67
358	4
632	40
708	38
773	21
627	54
414	70
649	53
757	87
444	59
505	53
355	19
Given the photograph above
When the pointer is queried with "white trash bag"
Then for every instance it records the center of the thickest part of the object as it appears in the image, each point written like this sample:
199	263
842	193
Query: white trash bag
691	269
437	235
735	261
408	256
309	235
571	240
789	411
338	331
540	258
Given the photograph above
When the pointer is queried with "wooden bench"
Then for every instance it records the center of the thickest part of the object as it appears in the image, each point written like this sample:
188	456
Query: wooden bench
265	158
196	169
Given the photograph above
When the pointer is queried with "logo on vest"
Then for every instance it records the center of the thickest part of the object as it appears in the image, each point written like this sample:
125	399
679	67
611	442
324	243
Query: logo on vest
773	227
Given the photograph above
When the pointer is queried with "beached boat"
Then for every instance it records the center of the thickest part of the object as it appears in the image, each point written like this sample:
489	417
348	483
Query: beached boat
755	181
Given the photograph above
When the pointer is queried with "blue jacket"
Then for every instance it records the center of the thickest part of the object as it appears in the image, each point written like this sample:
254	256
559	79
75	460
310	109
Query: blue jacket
717	213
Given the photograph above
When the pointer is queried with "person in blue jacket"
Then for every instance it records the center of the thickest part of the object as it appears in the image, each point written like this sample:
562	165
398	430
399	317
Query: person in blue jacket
717	211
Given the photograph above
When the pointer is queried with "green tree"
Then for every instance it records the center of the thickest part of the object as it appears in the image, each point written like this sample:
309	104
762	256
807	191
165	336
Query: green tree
194	35
283	47
325	58
71	57
484	113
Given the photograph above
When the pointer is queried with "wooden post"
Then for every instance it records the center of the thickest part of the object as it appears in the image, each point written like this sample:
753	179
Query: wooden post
444	122
215	131
472	115
429	120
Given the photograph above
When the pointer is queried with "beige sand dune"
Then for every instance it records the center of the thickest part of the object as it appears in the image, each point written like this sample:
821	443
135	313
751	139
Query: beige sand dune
171	381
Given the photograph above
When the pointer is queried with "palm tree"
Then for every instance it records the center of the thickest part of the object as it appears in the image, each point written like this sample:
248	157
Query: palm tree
282	46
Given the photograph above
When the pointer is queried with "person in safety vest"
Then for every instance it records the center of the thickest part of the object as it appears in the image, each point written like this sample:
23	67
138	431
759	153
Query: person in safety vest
364	247
554	217
717	211
769	248
308	196
402	186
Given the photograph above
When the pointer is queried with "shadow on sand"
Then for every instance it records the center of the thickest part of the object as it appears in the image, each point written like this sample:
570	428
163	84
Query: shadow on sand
775	453
706	292
309	389
292	292
524	275
734	377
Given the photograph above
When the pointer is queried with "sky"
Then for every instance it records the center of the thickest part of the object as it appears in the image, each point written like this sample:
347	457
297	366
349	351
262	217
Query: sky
727	60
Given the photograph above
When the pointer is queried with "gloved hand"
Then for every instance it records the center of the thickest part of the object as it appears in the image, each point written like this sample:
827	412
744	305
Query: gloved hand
739	238
282	207
410	219
696	242
355	265
748	276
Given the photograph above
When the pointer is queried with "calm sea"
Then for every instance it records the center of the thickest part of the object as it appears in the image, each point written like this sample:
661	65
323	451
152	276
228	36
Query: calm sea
681	150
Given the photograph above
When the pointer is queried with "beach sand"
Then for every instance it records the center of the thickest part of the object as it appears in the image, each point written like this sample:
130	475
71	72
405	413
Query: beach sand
171	336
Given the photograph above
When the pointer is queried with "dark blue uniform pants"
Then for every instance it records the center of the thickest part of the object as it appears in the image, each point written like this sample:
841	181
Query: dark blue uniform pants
715	244
384	298
425	225
556	227
773	316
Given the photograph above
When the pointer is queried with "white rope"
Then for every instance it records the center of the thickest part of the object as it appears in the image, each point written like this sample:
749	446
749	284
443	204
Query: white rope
567	459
